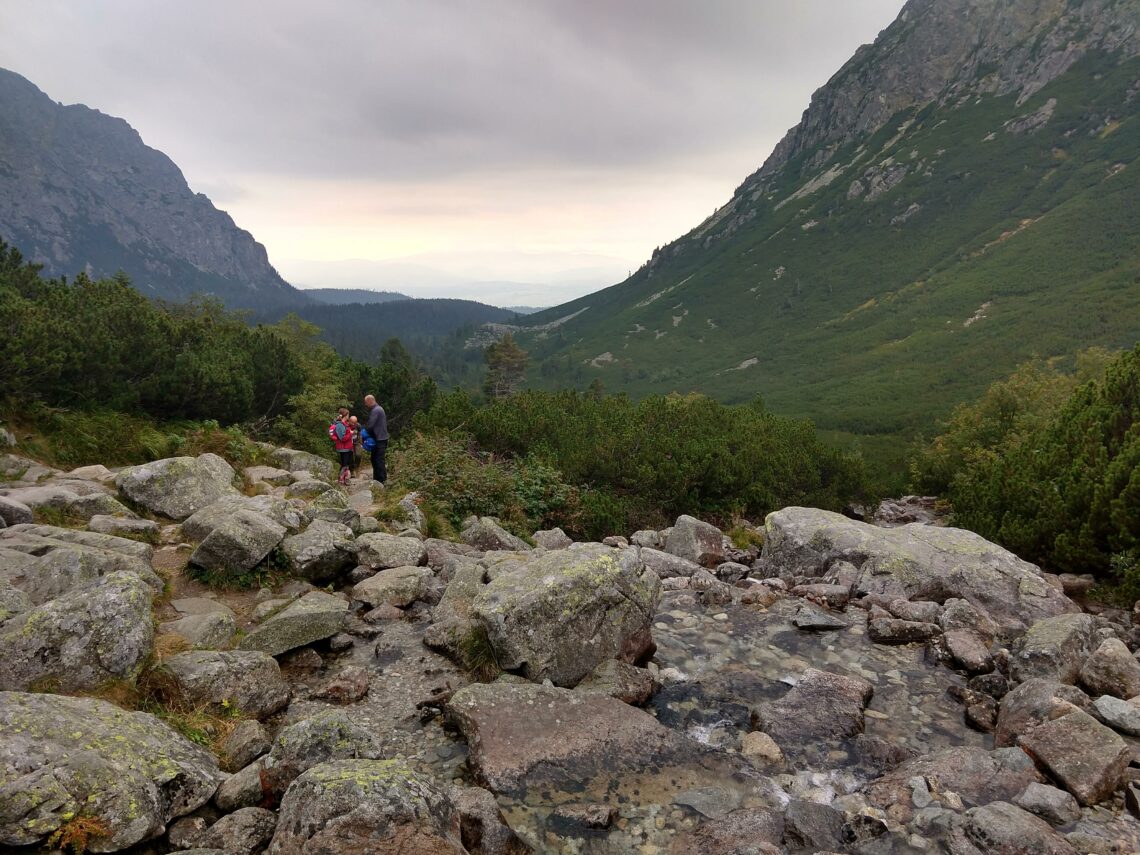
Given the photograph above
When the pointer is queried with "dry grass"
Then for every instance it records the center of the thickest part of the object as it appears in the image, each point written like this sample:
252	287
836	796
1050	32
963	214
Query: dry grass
76	834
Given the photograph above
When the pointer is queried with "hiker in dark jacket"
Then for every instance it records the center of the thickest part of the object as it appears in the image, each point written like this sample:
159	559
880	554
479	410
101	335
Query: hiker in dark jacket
376	422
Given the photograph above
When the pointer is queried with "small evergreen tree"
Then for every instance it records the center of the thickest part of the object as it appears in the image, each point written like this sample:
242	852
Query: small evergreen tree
506	368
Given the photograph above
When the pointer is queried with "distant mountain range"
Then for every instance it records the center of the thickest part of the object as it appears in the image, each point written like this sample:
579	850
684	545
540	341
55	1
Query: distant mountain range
962	195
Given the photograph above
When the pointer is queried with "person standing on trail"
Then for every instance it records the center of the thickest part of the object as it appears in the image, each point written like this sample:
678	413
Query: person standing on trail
340	432
376	423
357	443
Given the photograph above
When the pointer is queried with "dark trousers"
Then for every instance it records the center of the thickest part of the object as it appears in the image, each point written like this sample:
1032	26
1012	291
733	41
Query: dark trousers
379	471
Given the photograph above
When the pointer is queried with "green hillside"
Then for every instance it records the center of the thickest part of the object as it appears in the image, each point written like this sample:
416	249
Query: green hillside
874	316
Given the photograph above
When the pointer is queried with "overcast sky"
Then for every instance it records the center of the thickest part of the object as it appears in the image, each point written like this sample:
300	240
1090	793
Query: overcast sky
556	141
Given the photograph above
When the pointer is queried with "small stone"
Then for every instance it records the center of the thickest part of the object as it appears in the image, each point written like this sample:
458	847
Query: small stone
587	816
760	748
1051	804
349	686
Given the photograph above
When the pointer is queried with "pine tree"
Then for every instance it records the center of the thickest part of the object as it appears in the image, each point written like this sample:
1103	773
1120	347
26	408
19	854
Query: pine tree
506	368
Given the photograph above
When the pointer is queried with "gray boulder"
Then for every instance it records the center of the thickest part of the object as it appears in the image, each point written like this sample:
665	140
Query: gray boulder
313	617
238	545
333	506
1054	649
242	832
199	525
178	486
14	512
537	617
894	631
95	632
366	806
39	538
12	600
61	568
969	651
62	756
1005	828
86	507
302	461
212	630
309	488
1054	806
751	830
696	541
246	743
243	788
383	551
1031	703
328	735
248	679
322	552
123	527
1121	716
482	826
668	566
1086	757
646	537
485	533
1111	670
554	538
269	474
397	586
413	515
915	562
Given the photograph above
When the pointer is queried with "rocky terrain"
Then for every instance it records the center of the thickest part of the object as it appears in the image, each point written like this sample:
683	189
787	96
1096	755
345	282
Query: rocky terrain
80	191
360	687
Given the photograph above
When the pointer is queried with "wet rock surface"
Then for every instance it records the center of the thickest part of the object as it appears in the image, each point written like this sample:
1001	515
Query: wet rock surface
832	696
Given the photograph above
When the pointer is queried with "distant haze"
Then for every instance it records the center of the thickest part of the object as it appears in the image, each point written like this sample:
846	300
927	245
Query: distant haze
506	151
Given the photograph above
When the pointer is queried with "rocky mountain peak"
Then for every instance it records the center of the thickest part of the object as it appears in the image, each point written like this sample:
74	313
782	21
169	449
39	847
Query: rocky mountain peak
80	190
948	49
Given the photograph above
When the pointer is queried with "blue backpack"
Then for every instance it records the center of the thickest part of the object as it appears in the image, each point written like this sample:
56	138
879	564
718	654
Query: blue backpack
366	440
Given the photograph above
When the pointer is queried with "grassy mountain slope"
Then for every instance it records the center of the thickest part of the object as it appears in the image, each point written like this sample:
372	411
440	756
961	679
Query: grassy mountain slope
873	282
345	296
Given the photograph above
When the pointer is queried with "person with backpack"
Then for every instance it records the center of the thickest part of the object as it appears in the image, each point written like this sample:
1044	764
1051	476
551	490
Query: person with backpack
376	423
340	432
357	443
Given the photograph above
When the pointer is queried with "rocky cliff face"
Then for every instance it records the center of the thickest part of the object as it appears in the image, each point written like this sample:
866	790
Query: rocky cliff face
80	190
950	49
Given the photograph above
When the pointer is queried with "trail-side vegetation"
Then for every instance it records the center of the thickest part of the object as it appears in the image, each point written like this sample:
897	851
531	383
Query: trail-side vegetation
1047	463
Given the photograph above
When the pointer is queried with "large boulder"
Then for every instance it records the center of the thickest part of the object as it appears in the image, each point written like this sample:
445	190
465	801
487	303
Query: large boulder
199	525
915	562
1086	757
397	586
485	533
59	568
1031	703
1005	828
14	512
333	505
1111	670
696	541
243	832
96	632
313	617
269	474
366	806
39	538
177	487
211	630
237	546
248	679
61	757
561	614
321	552
1054	649
554	538
820	707
380	551
328	735
667	566
302	461
525	736
753	830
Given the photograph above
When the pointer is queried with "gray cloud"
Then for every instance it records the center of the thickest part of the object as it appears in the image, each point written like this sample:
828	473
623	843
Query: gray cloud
420	93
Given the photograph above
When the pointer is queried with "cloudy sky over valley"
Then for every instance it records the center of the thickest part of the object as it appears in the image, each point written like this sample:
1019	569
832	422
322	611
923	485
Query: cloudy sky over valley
425	144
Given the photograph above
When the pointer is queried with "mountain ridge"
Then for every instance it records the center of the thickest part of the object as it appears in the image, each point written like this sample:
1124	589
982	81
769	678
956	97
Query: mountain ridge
80	190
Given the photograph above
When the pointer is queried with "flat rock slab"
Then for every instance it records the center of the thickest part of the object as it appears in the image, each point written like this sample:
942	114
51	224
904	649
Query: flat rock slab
94	540
313	617
914	562
525	736
1086	757
60	756
894	631
816	620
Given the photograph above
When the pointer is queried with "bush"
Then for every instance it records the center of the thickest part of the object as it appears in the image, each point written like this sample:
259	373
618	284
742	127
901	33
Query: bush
1064	490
